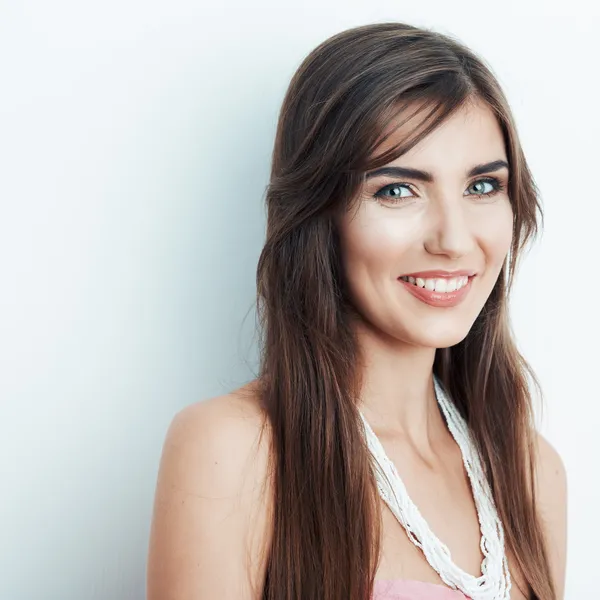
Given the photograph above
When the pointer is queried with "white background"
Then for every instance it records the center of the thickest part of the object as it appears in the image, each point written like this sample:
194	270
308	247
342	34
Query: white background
135	139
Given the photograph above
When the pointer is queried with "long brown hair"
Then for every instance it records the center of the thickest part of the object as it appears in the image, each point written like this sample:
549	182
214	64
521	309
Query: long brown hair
326	517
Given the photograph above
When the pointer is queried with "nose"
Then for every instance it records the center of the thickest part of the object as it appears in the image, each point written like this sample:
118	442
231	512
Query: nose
448	231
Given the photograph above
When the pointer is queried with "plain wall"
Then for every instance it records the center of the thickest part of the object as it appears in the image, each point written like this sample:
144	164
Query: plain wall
135	140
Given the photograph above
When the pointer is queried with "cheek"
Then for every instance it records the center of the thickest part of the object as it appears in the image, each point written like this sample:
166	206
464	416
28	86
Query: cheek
495	232
375	243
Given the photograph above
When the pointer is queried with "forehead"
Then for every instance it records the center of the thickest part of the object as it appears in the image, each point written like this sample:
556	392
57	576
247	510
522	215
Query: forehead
469	136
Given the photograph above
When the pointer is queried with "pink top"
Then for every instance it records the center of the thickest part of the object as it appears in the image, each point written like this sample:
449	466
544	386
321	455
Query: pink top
411	589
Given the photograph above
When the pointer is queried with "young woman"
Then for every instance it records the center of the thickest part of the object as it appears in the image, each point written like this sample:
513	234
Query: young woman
387	449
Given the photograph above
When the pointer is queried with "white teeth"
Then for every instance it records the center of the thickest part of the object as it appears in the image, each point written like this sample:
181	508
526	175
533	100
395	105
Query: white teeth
439	284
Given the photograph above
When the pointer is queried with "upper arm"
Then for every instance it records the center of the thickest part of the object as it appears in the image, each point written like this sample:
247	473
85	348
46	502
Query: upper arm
210	522
551	494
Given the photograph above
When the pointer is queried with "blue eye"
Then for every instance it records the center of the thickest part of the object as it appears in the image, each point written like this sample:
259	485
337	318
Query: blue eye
494	183
393	187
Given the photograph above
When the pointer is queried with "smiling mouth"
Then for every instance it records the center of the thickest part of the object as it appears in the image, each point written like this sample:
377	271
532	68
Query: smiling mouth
438	292
441	285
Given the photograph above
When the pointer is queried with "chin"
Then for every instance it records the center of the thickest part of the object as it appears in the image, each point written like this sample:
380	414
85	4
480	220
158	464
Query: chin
440	341
435	336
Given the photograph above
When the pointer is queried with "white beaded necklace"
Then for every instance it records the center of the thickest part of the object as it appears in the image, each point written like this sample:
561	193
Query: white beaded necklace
494	582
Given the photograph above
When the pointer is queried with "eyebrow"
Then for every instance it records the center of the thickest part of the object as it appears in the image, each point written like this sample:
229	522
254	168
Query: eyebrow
495	165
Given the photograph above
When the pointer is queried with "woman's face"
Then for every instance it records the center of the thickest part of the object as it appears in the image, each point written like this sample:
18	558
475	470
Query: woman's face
406	225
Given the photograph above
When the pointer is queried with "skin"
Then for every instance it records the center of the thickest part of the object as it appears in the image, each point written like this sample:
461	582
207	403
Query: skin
208	520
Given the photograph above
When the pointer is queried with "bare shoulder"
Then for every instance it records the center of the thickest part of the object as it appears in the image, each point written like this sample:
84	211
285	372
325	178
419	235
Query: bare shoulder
226	433
212	510
551	496
222	441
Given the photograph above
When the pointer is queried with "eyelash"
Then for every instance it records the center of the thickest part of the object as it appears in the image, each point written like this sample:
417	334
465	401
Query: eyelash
498	187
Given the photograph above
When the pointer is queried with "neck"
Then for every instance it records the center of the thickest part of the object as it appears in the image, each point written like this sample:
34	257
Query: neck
397	394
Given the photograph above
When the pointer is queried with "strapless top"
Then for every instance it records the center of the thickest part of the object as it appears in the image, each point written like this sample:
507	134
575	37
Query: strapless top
412	589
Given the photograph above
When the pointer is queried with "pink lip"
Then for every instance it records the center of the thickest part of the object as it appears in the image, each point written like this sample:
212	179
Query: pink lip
438	299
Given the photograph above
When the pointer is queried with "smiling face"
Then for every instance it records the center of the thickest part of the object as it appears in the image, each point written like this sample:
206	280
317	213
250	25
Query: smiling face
459	220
